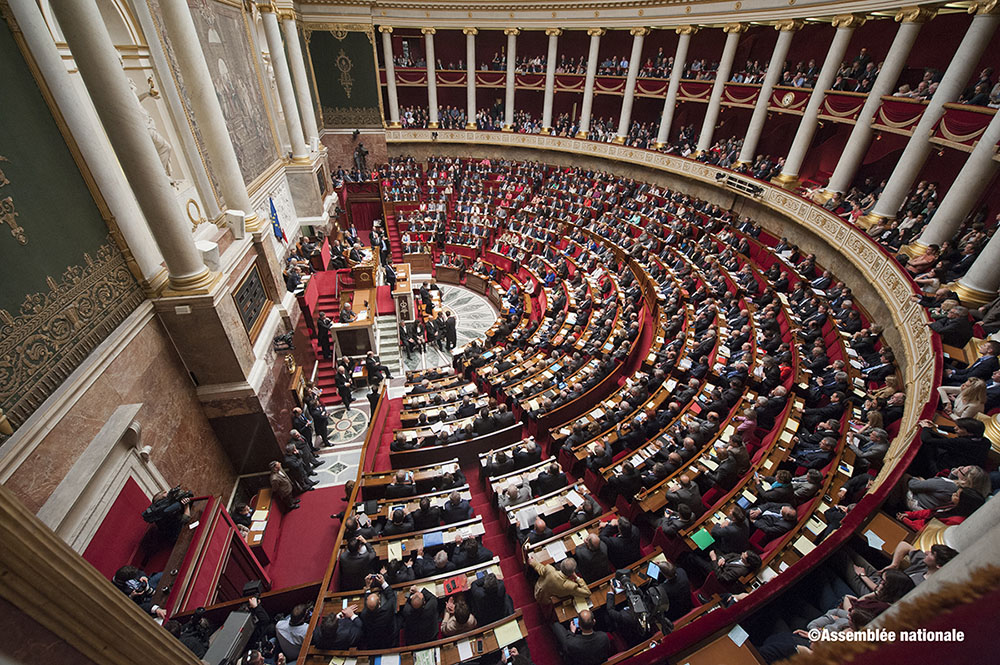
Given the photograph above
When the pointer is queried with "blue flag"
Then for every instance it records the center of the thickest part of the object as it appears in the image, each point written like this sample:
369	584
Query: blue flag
279	233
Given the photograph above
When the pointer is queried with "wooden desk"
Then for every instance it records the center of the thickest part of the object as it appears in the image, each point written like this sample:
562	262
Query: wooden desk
723	650
421	263
889	530
364	273
448	275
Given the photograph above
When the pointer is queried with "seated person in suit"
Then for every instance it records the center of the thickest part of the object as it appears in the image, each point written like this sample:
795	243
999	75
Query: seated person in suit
503	418
419	616
955	328
675	521
982	368
581	644
468	552
626	483
527	454
355	563
378	618
399	523
587	511
500	465
424	567
340	631
455	509
539	532
347	314
592	558
729	568
774	519
622	539
488	599
968	446
554	584
599	457
426	516
514	495
550	480
401	487
688	493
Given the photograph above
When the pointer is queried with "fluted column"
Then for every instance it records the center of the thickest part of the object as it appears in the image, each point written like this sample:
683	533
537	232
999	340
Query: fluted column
432	86
635	59
845	25
298	67
911	20
90	137
470	77
300	152
390	74
588	89
125	124
684	33
979	285
550	79
968	186
508	109
733	31
786	30
960	69
208	116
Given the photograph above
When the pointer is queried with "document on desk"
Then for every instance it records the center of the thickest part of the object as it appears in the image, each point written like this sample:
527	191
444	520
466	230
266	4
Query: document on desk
258	515
556	550
394	550
803	545
581	605
507	633
464	649
574	498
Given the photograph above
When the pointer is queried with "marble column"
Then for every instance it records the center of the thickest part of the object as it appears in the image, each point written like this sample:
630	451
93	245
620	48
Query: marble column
955	78
508	107
786	30
845	25
635	60
272	32
684	33
911	20
125	124
979	285
550	79
390	75
88	133
976	174
470	77
432	86
298	65
208	116
732	31
588	89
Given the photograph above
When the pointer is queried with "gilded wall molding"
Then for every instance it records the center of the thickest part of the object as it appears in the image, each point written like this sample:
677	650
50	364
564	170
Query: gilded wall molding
54	331
878	269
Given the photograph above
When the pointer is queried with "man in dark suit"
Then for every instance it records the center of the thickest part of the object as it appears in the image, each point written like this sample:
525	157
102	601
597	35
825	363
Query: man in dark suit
774	519
347	314
955	328
488	600
726	474
297	469
355	563
504	418
390	277
302	424
469	552
581	644
688	494
982	368
626	483
379	615
420	616
814	459
592	558
527	454
375	367
324	324
598	458
466	408
344	388
399	523
993	392
426	516
675	586
550	480
355	255
500	465
450	331
401	487
455	509
340	631
622	539
483	424
539	532
968	446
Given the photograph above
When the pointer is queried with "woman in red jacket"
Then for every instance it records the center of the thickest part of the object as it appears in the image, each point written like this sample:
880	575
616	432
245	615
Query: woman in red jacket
964	502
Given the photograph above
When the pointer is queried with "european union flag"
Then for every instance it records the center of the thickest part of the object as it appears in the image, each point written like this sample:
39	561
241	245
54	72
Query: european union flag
279	233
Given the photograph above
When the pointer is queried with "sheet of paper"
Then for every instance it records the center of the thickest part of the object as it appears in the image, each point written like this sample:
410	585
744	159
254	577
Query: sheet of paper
556	550
388	659
395	550
738	635
815	526
874	541
787	436
767	574
464	649
258	515
578	539
507	633
803	545
574	498
580	605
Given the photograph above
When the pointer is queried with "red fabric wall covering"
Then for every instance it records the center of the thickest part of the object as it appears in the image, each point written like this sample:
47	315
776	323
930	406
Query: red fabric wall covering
363	215
118	537
828	143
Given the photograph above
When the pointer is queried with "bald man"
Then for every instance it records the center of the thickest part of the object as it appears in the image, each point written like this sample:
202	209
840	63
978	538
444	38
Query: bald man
539	532
592	558
581	644
379	615
420	616
554	584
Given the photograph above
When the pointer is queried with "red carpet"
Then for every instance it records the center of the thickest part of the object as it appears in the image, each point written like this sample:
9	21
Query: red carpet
391	424
383	300
306	541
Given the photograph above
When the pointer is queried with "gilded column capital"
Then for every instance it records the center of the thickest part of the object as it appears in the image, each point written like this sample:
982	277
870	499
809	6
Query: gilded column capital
850	21
639	32
267	8
789	25
686	29
511	31
987	7
470	31
385	28
596	32
734	27
428	31
916	14
285	15
553	31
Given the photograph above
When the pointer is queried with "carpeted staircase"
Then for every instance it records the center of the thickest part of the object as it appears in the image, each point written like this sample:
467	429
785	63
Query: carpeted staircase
392	230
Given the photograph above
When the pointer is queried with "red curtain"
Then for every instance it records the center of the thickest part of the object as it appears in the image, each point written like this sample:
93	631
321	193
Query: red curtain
118	537
363	215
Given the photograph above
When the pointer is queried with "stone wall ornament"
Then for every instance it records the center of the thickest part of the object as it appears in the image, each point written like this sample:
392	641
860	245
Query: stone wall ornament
163	147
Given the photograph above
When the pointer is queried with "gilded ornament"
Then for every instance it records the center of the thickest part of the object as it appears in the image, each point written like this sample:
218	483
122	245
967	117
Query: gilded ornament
345	65
7	215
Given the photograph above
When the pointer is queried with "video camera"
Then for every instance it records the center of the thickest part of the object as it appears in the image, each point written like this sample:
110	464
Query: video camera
649	605
157	510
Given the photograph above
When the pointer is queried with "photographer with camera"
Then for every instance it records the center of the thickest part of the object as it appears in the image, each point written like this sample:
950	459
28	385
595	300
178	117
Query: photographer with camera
140	588
169	511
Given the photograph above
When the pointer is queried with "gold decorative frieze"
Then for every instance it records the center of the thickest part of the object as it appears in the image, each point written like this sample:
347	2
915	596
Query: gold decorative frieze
789	25
596	32
686	29
344	64
851	21
735	27
916	14
553	31
639	32
470	31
